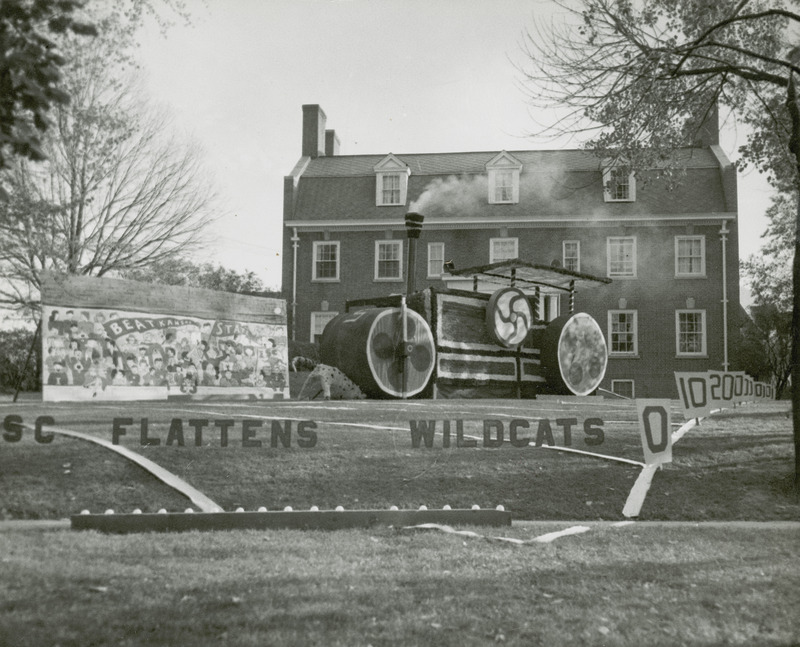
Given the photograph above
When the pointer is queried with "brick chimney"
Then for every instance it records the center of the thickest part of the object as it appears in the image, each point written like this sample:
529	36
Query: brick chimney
313	131
708	132
331	143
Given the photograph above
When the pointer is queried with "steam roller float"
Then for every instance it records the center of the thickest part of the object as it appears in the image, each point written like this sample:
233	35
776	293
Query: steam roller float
494	340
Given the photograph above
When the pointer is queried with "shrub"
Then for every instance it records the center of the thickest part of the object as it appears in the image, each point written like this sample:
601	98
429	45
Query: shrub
14	348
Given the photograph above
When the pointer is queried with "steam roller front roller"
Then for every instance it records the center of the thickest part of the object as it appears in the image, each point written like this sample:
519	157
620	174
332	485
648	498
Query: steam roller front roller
574	354
387	352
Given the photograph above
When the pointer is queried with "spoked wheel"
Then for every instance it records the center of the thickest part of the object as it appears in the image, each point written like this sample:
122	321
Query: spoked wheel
379	353
401	367
509	317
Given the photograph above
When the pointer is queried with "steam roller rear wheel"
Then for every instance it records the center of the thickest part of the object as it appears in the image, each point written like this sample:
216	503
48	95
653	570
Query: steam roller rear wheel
368	347
574	354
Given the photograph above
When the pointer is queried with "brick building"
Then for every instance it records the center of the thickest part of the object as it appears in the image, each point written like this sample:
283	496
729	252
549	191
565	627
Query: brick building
672	255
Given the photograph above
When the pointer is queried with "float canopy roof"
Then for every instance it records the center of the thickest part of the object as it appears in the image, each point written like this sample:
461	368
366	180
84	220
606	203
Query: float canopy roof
531	274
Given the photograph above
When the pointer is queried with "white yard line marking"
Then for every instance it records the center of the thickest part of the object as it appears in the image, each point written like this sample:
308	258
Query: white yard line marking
633	505
356	424
237	415
195	496
541	539
603	456
552	536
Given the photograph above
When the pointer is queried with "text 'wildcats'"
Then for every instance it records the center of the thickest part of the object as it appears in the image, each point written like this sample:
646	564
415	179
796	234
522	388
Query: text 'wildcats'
520	433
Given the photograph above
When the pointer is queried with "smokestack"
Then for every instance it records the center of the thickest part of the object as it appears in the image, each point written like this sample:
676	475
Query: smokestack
413	230
313	131
708	132
331	143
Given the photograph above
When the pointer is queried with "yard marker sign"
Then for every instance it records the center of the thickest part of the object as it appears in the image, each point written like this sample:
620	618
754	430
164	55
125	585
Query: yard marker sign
701	392
655	430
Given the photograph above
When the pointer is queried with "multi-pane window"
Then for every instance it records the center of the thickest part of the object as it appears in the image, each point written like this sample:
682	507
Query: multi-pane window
625	388
690	256
391	181
503	186
388	260
435	260
620	185
621	256
503	172
622	332
326	261
391	189
318	322
503	249
571	255
690	331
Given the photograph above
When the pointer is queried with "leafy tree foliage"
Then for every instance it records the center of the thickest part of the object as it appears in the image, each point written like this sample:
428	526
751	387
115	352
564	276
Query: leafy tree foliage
213	276
770	272
30	70
764	350
637	77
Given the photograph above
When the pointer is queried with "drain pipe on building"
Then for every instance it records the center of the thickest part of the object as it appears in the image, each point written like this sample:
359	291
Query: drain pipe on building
723	235
295	247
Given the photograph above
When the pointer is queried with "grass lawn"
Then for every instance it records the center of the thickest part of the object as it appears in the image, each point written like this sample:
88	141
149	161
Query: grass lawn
630	584
735	465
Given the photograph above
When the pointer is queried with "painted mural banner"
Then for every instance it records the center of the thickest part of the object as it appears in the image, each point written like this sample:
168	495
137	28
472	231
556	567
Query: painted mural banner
112	339
702	392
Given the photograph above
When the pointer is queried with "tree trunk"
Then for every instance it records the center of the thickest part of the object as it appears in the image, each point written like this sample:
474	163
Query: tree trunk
794	146
795	372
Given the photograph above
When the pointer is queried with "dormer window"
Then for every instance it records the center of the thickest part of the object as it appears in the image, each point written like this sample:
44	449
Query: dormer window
391	182
503	171
504	186
390	189
619	185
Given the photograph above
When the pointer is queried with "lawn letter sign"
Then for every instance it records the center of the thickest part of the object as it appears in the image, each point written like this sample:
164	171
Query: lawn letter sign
655	429
109	339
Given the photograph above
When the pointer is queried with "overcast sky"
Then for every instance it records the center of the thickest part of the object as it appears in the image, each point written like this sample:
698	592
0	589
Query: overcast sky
401	76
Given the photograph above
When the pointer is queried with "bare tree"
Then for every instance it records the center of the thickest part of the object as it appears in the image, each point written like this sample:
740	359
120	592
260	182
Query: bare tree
638	77
116	191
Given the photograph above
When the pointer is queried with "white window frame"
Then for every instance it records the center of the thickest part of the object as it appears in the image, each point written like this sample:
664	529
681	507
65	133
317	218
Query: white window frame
503	173
503	186
398	244
316	318
703	352
618	239
577	256
395	179
631	382
435	256
701	273
495	241
634	332
390	167
315	261
609	185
